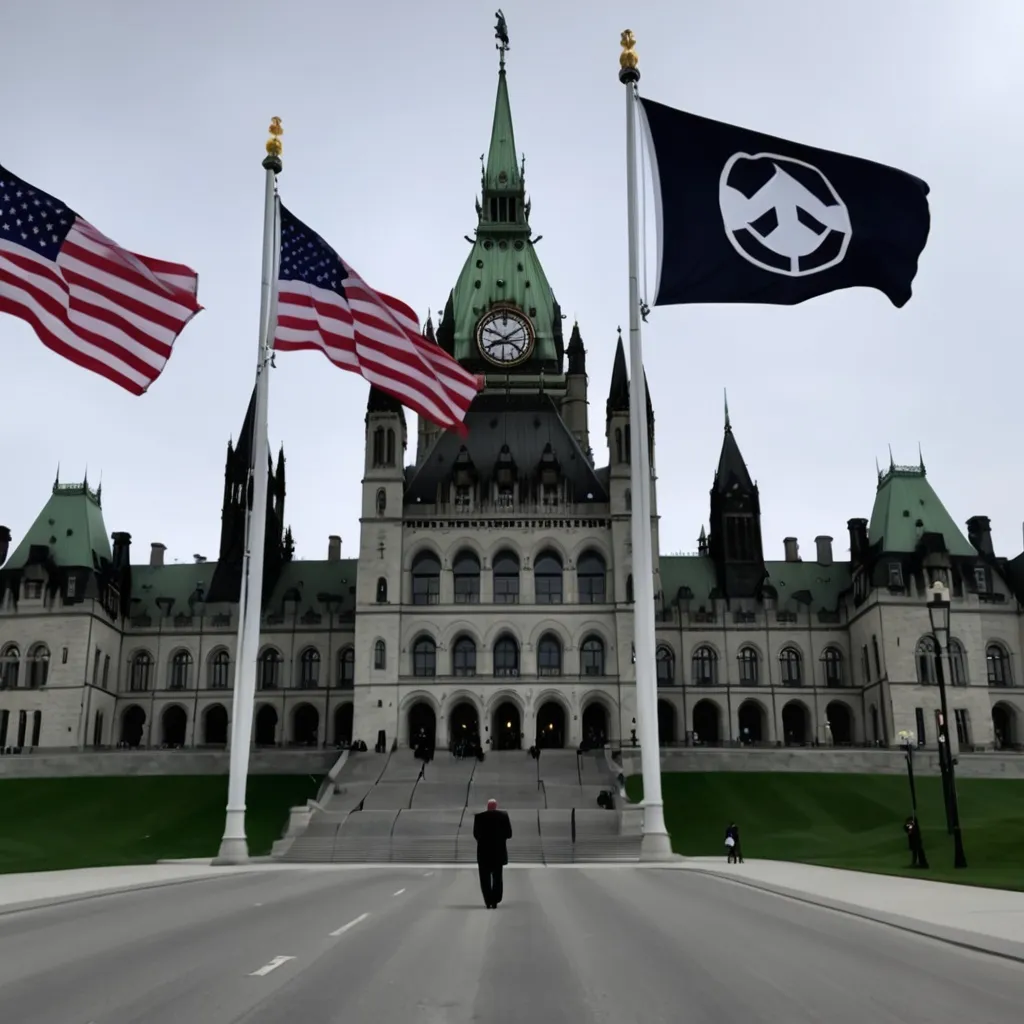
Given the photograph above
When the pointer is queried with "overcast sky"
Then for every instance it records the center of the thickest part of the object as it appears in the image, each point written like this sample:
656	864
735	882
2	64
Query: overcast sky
149	120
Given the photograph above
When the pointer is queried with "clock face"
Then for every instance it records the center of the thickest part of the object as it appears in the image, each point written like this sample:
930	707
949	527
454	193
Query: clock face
505	336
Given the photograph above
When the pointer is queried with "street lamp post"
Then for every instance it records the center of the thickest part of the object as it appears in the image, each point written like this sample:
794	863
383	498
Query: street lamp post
907	740
938	613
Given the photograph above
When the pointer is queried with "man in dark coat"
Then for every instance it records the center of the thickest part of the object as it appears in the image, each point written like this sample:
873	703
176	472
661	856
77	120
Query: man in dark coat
491	830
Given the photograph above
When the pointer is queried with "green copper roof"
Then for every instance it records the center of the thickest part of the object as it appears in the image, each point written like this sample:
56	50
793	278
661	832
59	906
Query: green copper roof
905	508
71	526
502	168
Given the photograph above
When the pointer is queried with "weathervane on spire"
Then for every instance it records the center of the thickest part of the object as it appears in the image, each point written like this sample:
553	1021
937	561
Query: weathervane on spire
501	34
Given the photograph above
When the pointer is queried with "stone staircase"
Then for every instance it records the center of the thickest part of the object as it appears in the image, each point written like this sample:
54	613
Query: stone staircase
384	811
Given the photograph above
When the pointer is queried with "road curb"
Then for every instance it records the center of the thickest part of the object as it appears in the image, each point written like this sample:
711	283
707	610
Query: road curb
974	941
56	901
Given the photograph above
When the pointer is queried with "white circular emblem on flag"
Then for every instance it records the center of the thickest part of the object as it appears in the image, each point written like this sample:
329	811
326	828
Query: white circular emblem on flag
783	215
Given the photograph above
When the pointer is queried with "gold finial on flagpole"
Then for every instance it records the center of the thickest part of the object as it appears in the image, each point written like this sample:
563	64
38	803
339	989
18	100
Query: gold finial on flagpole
628	59
274	142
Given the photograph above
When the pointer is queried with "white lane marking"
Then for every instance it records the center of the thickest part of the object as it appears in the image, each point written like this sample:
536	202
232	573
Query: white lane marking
427	874
345	927
399	893
272	966
257	904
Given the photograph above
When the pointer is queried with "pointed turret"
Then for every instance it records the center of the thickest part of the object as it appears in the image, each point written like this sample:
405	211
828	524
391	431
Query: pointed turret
502	172
574	404
618	393
576	352
735	542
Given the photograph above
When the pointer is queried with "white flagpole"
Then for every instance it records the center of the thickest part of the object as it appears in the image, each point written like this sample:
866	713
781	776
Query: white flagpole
234	847
655	844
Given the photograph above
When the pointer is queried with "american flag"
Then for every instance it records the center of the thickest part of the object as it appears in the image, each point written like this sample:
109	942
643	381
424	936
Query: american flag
108	310
324	304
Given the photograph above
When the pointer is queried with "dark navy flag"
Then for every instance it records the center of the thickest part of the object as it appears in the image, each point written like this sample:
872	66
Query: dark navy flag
746	217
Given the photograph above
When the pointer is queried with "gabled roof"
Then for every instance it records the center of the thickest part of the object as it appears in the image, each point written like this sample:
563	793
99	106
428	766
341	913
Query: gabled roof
526	423
906	508
70	526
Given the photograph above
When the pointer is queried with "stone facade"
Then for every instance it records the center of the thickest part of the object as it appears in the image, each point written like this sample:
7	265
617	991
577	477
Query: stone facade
491	592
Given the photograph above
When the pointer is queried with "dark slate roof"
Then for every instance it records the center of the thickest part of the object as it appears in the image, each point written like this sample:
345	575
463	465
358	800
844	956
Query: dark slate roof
526	423
732	470
618	392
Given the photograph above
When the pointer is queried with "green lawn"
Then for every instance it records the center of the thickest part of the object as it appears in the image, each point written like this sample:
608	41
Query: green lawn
847	821
46	824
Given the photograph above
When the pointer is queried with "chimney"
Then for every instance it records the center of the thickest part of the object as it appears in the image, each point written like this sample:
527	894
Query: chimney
858	539
156	553
5	543
792	547
824	545
979	533
334	548
121	555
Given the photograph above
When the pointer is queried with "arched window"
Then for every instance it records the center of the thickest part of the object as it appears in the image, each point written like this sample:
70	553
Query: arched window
10	665
665	661
309	669
424	657
791	667
997	661
704	666
426	579
378	447
346	668
464	657
629	589
832	662
618	445
591	573
268	670
382	590
547	578
924	658
957	663
592	657
549	656
466	573
390	454
629	500
380	655
220	670
381	501
181	670
38	666
750	666
140	675
506	657
505	570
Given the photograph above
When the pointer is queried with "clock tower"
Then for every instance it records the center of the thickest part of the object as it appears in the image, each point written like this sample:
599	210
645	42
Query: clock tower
502	319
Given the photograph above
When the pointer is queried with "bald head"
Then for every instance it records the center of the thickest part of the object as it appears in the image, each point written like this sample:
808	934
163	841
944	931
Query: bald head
492	805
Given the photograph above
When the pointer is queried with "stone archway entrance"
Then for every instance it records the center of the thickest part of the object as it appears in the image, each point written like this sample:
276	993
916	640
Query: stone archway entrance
1004	726
707	723
133	725
595	725
551	726
795	725
753	722
343	723
840	723
266	726
215	726
173	726
464	724
422	723
666	723
506	727
306	726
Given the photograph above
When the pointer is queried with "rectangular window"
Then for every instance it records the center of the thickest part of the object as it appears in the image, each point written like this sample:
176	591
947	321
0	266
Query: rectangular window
506	590
96	668
463	498
33	590
548	589
106	671
592	589
71	586
878	657
426	589
549	495
981	579
739	538
865	664
467	589
922	735
895	576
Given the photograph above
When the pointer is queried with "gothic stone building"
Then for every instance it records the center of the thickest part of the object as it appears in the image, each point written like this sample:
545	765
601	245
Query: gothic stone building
491	593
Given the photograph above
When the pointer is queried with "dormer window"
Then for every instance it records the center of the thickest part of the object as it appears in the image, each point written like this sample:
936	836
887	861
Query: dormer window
549	495
463	498
33	590
895	576
503	209
981	579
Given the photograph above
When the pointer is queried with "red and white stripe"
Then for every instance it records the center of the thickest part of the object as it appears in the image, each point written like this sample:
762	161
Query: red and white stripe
378	337
108	310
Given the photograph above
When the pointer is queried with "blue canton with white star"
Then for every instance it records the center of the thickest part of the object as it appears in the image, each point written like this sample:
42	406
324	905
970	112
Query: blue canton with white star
306	257
31	218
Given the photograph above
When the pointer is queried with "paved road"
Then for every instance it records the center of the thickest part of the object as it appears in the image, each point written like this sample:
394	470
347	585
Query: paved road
414	946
